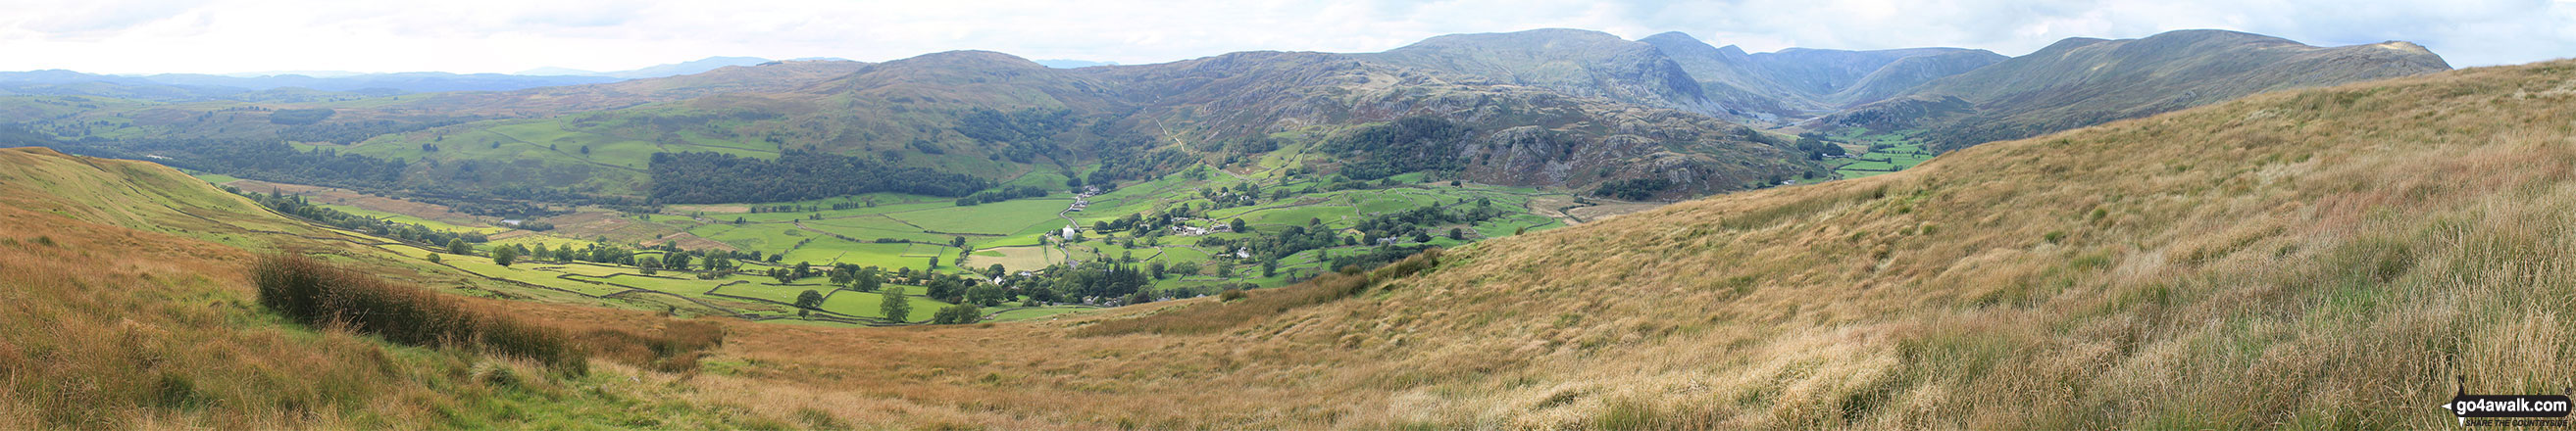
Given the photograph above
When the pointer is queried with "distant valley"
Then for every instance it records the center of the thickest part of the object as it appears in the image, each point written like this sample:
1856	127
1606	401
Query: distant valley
1242	170
1545	229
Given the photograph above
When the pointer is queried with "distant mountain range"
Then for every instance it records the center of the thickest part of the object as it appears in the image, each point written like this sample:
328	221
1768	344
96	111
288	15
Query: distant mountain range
1570	109
2080	82
1069	64
1677	71
674	69
316	86
199	87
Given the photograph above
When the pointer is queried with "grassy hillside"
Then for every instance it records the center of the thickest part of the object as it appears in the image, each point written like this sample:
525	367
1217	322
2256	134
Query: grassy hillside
132	306
1575	62
2325	258
2304	259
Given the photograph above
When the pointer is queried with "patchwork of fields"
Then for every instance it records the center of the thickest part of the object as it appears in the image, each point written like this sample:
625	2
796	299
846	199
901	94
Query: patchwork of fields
930	235
1887	152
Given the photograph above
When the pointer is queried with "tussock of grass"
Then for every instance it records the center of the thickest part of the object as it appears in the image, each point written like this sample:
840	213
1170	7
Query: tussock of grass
677	348
327	296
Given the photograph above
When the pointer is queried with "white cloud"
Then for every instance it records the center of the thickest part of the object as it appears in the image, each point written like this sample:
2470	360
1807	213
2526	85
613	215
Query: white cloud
509	35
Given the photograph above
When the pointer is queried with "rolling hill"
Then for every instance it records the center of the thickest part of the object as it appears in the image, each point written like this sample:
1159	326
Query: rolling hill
2325	257
2079	82
1798	82
947	111
1660	118
1579	63
690	67
202	87
1674	70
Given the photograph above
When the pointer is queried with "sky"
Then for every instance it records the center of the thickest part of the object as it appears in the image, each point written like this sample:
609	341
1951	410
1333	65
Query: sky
476	36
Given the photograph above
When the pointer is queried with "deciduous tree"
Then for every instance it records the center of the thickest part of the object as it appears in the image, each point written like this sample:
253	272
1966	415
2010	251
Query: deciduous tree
896	306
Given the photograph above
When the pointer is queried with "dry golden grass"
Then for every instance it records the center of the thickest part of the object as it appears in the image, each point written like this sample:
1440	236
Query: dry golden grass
112	327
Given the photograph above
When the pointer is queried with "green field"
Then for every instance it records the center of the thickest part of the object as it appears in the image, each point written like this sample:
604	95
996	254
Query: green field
1887	152
524	273
869	304
833	250
399	218
862	304
996	218
1017	234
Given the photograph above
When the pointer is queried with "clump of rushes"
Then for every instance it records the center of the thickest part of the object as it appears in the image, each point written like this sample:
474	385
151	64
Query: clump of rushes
323	295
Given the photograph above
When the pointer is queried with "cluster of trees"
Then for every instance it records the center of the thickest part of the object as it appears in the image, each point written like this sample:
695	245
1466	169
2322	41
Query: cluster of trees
351	132
1815	147
1248	145
295	205
1149	224
1245	194
1021	133
1030	124
672	122
1001	194
1414	221
1337	183
272	160
1376	257
786	208
711	263
1111	280
1123	160
957	315
710	177
267	160
1290	240
596	253
298	117
969	294
1633	188
1406	145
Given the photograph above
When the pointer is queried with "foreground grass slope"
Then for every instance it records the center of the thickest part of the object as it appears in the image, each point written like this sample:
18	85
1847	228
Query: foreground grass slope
157	326
2323	258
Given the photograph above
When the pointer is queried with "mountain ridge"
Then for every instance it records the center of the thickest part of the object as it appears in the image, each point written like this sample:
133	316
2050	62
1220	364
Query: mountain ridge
1556	108
2081	81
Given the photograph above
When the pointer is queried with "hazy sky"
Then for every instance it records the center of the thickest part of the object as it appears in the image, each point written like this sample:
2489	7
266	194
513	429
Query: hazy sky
215	36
